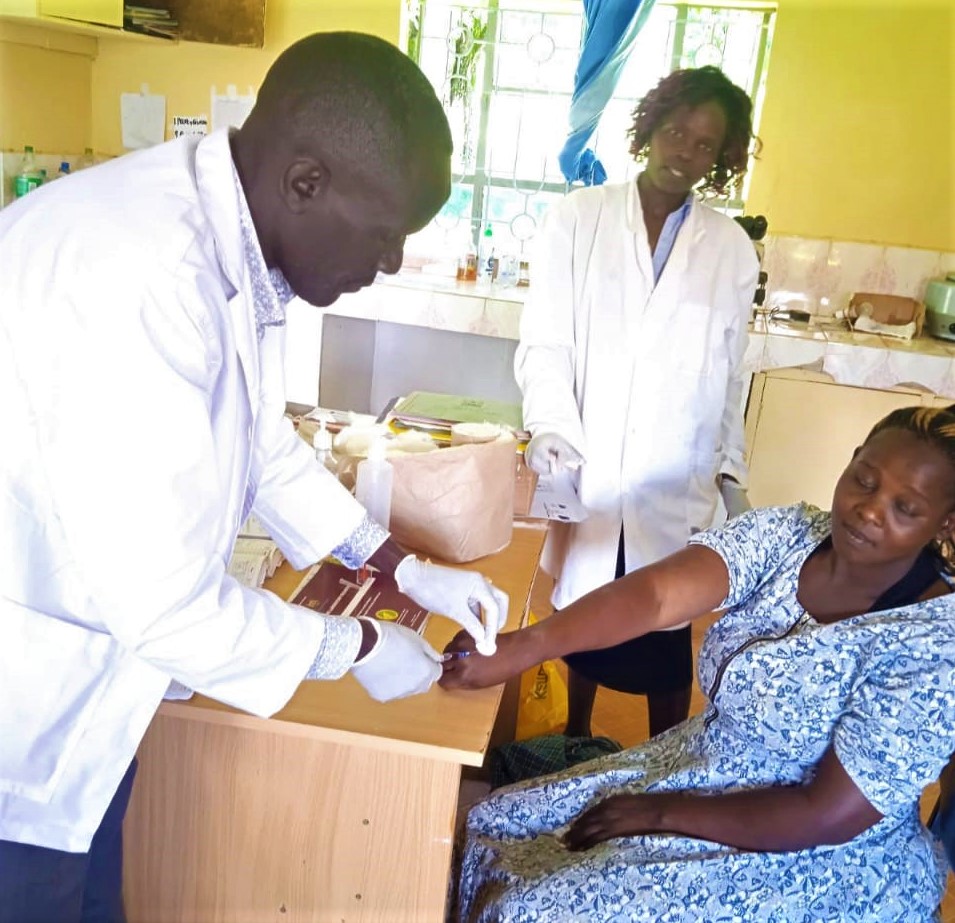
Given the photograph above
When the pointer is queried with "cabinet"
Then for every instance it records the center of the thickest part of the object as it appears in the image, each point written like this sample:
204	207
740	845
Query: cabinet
98	12
802	427
221	22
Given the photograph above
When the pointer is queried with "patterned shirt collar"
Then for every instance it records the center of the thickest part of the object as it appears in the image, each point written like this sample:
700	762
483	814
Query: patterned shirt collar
270	291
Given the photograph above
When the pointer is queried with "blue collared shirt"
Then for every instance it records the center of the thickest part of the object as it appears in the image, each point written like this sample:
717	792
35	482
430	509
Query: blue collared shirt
271	293
671	227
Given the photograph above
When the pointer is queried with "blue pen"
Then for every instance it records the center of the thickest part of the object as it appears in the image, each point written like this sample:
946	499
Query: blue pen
455	655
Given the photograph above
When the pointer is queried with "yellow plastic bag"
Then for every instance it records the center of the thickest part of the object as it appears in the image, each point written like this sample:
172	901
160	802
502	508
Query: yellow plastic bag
542	706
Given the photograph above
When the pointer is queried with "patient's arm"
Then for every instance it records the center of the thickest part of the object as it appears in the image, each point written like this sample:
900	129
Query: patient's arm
828	810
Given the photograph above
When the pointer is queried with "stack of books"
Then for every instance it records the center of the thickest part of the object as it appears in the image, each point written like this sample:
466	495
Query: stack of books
255	556
149	20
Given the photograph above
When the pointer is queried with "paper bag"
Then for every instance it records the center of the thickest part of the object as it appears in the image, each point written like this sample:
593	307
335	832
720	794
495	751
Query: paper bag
456	503
893	310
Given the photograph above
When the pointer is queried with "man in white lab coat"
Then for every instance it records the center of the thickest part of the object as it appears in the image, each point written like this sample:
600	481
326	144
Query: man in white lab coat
141	405
630	357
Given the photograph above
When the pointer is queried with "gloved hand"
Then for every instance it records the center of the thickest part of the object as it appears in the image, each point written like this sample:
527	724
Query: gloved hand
401	663
461	595
734	498
547	453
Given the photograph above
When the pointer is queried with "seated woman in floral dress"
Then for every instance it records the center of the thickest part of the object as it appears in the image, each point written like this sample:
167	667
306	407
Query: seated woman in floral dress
831	704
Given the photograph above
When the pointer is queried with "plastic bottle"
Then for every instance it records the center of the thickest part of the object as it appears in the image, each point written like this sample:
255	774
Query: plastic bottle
322	443
29	176
87	159
64	169
467	266
373	481
487	261
524	275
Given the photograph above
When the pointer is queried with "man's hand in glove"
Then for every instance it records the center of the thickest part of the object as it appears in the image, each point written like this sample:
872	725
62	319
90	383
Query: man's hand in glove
401	663
461	595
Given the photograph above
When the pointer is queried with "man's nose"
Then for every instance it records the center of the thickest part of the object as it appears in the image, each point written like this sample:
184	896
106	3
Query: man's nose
391	260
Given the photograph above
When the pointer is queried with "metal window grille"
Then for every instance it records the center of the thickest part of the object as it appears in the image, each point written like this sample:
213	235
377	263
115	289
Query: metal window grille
504	70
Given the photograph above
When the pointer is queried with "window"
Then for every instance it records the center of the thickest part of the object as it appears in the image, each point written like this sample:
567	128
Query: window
505	70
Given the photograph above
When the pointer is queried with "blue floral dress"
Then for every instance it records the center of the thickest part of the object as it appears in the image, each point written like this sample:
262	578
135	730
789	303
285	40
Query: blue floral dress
781	689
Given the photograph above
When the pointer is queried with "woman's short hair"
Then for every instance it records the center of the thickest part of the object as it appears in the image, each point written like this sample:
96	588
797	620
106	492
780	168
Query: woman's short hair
935	426
693	87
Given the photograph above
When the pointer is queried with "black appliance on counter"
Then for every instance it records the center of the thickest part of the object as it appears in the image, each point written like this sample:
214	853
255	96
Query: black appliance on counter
755	227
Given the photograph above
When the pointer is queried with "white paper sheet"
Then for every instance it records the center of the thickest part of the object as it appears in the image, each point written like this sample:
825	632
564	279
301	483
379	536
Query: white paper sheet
143	118
556	498
190	125
230	110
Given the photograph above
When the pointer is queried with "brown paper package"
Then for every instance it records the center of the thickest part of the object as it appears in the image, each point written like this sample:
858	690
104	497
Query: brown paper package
889	309
456	503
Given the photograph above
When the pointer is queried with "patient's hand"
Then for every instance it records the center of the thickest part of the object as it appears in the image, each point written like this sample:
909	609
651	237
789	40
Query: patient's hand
616	816
465	668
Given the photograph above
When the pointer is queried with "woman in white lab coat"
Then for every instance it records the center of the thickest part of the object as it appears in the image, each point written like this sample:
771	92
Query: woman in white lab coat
630	365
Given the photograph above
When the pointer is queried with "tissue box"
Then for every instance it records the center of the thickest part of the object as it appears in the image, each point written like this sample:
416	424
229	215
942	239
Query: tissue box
894	310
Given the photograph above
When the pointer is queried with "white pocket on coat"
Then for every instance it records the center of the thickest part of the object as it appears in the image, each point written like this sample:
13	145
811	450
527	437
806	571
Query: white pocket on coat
52	675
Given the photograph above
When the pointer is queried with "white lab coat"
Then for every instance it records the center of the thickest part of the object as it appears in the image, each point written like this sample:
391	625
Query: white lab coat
141	421
645	382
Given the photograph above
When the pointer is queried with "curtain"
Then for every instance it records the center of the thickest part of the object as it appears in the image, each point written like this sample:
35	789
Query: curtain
611	27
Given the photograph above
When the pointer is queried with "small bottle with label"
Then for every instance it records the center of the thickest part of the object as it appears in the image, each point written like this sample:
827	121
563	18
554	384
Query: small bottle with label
487	261
373	480
322	443
524	274
29	176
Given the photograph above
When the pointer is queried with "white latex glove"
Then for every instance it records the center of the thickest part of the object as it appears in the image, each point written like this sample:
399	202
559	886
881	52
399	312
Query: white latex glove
461	595
401	663
547	453
734	498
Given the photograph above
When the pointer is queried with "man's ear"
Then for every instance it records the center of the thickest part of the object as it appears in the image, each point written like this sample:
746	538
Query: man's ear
304	181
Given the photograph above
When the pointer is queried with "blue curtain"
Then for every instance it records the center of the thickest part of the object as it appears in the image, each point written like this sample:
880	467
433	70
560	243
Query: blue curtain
610	31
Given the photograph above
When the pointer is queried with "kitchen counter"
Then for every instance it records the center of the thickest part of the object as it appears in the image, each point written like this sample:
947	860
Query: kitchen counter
858	359
862	360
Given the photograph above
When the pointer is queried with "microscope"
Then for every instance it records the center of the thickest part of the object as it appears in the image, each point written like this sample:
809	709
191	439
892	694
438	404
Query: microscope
755	227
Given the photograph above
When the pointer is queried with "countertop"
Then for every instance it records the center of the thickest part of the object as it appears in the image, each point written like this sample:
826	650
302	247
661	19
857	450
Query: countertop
858	359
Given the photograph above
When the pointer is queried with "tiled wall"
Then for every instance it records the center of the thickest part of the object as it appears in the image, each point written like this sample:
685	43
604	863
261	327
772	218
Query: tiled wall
821	275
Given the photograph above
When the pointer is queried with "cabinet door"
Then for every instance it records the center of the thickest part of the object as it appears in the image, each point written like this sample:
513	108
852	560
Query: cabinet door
101	12
804	435
221	22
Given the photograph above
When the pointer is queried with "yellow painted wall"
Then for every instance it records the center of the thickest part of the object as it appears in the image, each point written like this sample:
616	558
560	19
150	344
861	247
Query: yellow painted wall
859	123
45	89
185	73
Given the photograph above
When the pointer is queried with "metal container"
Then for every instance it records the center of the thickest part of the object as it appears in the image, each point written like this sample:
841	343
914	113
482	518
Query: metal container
940	307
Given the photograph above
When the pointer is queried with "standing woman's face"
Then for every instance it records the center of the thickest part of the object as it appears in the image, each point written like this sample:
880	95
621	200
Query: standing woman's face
896	496
685	146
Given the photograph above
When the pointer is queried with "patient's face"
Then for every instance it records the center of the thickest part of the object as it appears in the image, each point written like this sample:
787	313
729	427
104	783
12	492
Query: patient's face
896	496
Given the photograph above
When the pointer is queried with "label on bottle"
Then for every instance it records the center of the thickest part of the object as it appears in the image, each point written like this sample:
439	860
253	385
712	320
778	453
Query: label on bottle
24	183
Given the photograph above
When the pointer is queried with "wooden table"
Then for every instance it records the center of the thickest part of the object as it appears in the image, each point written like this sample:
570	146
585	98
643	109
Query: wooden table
338	808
